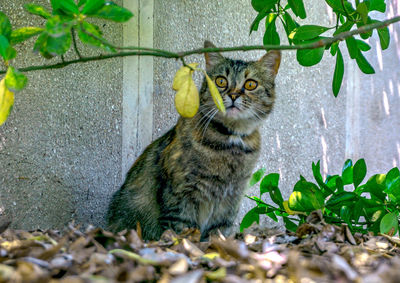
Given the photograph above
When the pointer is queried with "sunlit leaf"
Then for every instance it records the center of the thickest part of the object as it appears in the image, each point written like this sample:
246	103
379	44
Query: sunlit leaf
22	34
181	75
216	96
271	36
306	197
15	80
6	101
307	32
187	99
37	10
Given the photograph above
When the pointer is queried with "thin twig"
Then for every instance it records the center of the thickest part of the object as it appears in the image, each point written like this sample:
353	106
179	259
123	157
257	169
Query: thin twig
144	51
74	43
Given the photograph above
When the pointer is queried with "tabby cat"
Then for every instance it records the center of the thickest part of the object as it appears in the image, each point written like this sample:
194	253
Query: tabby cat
195	174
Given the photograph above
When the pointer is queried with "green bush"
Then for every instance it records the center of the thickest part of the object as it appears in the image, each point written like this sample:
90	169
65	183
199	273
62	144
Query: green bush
370	207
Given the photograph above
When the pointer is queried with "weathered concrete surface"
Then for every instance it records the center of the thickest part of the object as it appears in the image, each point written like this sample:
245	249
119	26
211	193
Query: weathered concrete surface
60	148
307	124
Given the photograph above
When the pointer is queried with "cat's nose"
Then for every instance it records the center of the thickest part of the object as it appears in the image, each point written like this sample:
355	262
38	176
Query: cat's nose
234	95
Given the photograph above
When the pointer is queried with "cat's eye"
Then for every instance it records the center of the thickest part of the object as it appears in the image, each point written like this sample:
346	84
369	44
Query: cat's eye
221	82
250	84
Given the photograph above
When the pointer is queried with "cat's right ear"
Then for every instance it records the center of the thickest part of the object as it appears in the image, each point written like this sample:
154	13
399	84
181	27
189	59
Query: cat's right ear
212	58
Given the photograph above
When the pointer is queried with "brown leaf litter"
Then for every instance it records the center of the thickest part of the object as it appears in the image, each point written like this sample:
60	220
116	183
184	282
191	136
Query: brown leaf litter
318	252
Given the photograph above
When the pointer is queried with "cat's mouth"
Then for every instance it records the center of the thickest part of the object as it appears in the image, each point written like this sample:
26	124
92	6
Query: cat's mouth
232	110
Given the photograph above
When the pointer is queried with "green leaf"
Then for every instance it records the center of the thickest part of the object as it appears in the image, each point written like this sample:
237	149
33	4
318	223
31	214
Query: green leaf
272	215
391	176
84	32
307	32
271	36
345	27
364	65
377	5
250	217
310	57
289	24
351	44
93	6
393	190
376	186
6	50
22	34
298	8
390	224
368	34
5	25
256	177
362	10
260	5
64	7
37	10
338	74
291	226
336	5
6	101
58	45
254	25
359	172
15	80
306	197
340	198
81	3
113	12
347	172
334	48
362	45
345	214
384	37
339	184
318	177
58	26
270	184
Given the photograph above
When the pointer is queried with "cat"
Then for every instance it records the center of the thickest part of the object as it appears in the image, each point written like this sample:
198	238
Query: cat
195	175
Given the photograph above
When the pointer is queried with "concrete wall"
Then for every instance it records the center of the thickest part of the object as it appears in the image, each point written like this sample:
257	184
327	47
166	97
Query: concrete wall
74	132
60	150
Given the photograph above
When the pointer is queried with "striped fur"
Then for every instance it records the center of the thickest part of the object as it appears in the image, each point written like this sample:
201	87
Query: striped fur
195	175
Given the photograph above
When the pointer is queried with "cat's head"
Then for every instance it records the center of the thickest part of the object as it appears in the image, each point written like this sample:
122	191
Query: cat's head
247	89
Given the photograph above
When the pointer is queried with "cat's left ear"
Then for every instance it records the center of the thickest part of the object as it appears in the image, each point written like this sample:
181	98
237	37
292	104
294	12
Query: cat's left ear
212	58
271	61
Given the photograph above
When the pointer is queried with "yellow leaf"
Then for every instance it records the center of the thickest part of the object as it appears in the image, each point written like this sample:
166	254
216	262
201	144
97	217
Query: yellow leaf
288	210
182	74
6	101
215	94
216	275
211	256
187	99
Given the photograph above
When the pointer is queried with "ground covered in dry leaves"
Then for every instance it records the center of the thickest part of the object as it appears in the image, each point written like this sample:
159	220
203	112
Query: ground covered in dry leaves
316	253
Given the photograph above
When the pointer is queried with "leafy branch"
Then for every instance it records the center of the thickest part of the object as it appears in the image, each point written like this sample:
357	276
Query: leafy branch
141	51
